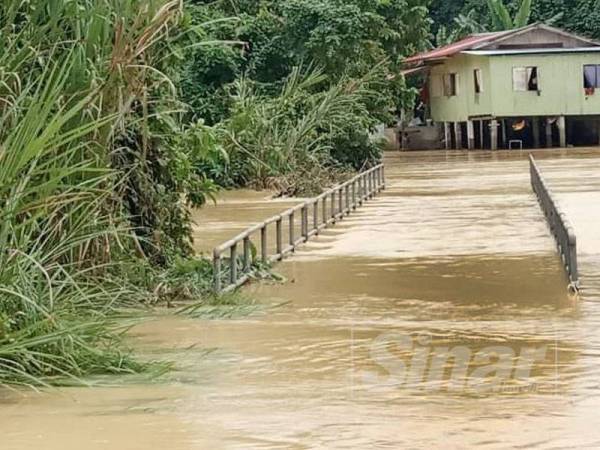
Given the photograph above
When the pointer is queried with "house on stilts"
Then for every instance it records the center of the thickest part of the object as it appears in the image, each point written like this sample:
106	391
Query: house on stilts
536	86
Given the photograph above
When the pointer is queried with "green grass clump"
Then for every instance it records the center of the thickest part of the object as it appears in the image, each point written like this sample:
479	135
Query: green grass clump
56	297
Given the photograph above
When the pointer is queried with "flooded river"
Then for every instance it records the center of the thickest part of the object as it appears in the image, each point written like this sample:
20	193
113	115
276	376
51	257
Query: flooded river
436	316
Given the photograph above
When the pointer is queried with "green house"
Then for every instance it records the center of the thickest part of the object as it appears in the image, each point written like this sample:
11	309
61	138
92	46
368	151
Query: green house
535	86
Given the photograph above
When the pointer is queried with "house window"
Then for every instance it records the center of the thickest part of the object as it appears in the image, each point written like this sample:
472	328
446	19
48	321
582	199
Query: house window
451	84
477	80
591	77
525	79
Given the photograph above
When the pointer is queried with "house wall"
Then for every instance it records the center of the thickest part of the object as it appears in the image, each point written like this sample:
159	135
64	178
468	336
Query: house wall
560	81
460	107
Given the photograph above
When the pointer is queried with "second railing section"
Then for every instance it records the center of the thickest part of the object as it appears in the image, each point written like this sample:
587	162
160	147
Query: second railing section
560	227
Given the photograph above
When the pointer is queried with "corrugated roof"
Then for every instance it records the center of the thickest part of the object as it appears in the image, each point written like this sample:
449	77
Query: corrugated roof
452	49
531	51
481	41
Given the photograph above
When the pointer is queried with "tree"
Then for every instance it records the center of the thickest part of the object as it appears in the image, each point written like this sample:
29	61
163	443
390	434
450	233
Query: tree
352	42
454	19
501	18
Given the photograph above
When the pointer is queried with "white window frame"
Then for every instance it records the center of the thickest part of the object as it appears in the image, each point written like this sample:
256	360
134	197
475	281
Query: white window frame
521	81
596	83
448	76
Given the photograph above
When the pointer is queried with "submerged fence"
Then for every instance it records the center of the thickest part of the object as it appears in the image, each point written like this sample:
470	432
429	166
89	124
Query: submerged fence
560	227
235	261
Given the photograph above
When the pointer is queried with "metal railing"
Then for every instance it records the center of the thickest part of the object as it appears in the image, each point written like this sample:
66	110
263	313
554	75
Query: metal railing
560	226
235	261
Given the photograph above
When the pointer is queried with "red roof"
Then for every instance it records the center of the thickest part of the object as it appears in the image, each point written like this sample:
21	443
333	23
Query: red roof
452	49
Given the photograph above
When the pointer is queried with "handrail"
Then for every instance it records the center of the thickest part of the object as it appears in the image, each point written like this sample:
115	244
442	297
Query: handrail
325	210
560	227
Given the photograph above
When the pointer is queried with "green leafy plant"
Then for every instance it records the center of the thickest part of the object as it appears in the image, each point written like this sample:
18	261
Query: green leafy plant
56	293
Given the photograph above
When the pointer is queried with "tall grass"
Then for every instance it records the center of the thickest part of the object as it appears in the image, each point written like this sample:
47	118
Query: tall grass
55	298
74	76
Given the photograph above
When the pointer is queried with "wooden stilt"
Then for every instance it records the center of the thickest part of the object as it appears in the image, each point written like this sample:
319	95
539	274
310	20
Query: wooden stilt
494	134
481	135
548	133
458	135
562	131
535	124
447	136
470	135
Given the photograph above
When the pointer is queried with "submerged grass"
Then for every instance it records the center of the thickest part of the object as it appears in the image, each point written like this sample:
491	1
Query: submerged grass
225	306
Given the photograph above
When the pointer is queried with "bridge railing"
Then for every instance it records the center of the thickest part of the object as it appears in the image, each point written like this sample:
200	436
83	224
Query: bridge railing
235	261
560	227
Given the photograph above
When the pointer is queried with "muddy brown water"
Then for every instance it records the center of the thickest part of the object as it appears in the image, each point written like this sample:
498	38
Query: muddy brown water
453	257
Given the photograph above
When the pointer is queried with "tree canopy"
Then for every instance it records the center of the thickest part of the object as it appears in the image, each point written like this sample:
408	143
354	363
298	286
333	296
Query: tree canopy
455	18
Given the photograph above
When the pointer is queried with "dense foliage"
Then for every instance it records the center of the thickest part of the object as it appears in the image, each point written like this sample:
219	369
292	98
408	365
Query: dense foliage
455	18
76	77
243	89
343	40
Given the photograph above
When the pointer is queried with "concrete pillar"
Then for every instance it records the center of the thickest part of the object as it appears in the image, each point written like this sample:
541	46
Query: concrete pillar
447	135
548	133
470	135
458	135
481	135
562	131
494	134
535	124
504	135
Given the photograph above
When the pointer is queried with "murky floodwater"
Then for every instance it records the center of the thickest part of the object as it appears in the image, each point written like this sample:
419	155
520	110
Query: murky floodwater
454	258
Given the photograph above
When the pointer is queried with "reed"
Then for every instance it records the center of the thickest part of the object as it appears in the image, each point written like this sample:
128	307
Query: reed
74	75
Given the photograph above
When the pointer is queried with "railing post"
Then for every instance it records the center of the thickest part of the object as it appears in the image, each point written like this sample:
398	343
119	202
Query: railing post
324	205
316	216
360	190
347	193
217	271
341	202
279	237
263	244
333	204
246	254
573	269
354	194
305	222
292	237
233	264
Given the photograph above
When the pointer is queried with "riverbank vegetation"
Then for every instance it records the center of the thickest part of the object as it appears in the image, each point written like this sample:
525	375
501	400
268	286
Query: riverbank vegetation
118	117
